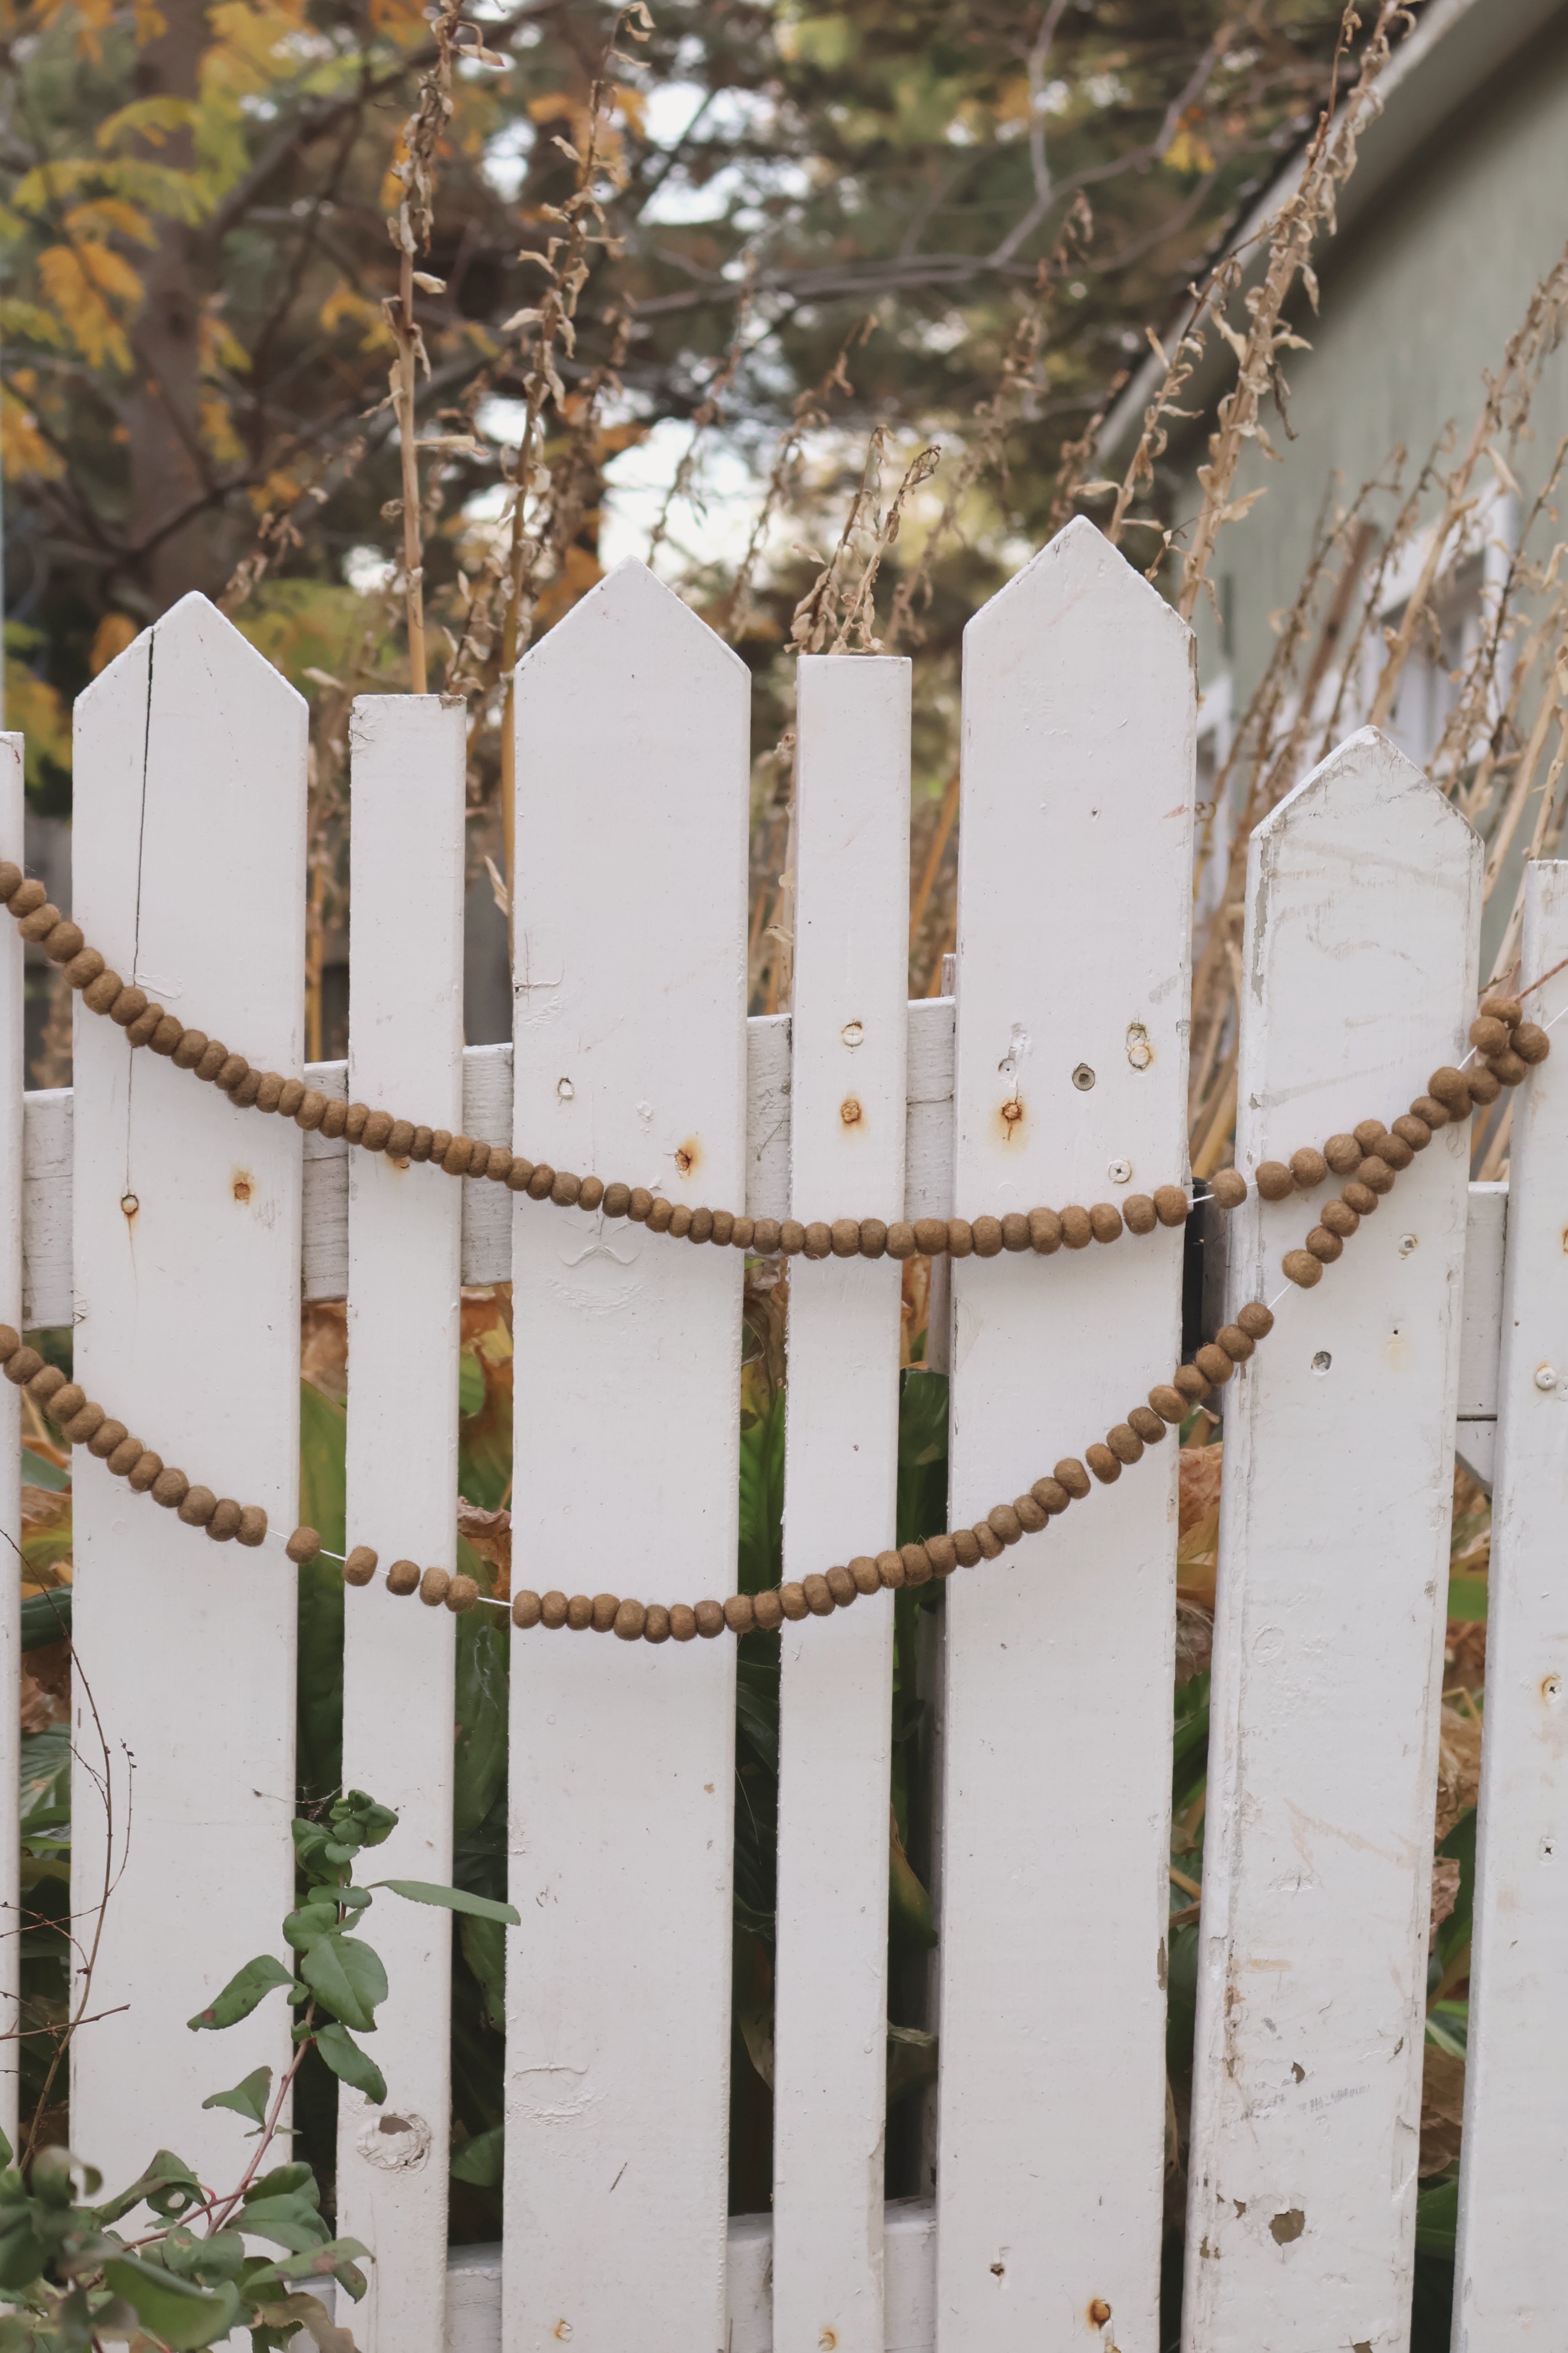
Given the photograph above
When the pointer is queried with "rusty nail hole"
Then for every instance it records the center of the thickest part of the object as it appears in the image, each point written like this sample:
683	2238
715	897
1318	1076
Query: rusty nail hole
828	2341
850	1111
683	1161
1099	2312
1083	1078
242	1189
998	2270
1013	1112
1287	2226
392	2125
562	2331
853	1033
1551	1688
1140	1052
130	1204
564	1090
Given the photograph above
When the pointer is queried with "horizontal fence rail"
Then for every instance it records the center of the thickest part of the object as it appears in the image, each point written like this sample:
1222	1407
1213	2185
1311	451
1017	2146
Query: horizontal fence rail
178	1234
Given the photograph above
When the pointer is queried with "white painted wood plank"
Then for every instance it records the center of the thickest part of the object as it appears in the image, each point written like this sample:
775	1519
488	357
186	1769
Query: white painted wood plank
1509	2275
850	1031
629	1064
1078	801
13	1077
1360	971
405	1046
767	1115
324	1245
189	875
45	1203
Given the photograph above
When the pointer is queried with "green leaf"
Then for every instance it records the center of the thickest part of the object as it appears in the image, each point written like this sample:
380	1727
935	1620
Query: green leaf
291	2221
248	2098
480	2160
309	1925
1437	2219
185	2316
352	2066
484	1949
168	2185
22	2255
319	1674
348	1977
243	1991
479	1760
453	1899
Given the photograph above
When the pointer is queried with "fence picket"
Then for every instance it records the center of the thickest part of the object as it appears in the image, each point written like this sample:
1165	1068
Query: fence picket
849	1032
405	1046
1077	798
189	869
13	1079
1508	2279
1359	976
629	1060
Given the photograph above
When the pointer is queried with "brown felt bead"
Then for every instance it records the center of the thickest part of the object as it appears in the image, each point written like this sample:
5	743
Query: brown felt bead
10	1341
617	1200
101	994
1149	1426
768	1612
680	1219
188	1049
1530	1042
818	1240
1343	1154
1448	1086
11	878
1103	1463
82	1424
862	1572
566	1189
1412	1131
1105	1221
250	1087
479	1156
792	1601
1228	1188
767	1237
901	1243
870	1237
335	1119
590	1192
197	1505
519	1175
1031	1517
709	1619
376	1130
1496	1006
1168	1402
361	1565
1302	1268
526	1611
1078	1231
603	1612
1191	1383
631	1621
1308	1168
211	1061
791	1237
302	1547
45	1382
842	1586
965	1549
1051	1495
83	967
991	1544
552	1608
1255	1320
1324	1244
742	1234
1484	1083
125	1457
579	1613
166	1036
702	1227
434	1587
66	1401
144	1028
987	1236
1430	1111
1171	1205
1340	1218
25	897
64	942
1369	1134
740	1613
1124	1443
1070	1473
1237	1344
917	1564
106	1438
1045	1232
1359	1198
170	1487
891	1570
1140	1213
960	1238
1508	1068
931	1236
252	1528
1394	1152
227	1520
1490	1035
1015	1231
270	1095
399	1136
819	1595
1213	1363
144	1472
455	1159
942	1554
403	1578
358	1120
659	1216
36	925
1274	1180
1004	1521
441	1137
1376	1175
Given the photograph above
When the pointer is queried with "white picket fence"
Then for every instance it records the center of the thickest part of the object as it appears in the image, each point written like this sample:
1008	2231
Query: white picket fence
171	1228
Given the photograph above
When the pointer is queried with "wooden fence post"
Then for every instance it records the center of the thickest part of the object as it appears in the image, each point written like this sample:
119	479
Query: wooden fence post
12	1080
189	875
1074	924
630	1063
850	1030
405	1049
1358	970
1507	2280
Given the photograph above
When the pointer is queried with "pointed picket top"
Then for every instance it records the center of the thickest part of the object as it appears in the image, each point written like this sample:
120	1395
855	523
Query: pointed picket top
641	615
1078	561
194	630
1366	772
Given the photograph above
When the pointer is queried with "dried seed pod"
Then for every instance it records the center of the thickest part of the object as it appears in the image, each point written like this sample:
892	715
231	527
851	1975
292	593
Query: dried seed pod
1530	1042
1484	1084
434	1587
1045	1232
1051	1495
1506	1009
1124	1443
1213	1363
960	1238
1078	1231
526	1611
1168	1402
1141	1214
1171	1205
1359	1198
361	1566
1255	1320
1274	1180
1149	1426
1343	1154
1237	1344
1105	1221
1004	1521
197	1507
1302	1267
1228	1188
1015	1231
303	1545
1324	1244
1070	1473
1340	1218
1308	1168
709	1619
1103	1463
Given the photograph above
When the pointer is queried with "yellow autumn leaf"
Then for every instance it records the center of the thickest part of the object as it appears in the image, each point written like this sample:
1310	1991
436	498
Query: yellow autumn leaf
152	119
1189	150
38	712
111	637
84	282
214	421
343	306
24	453
101	217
